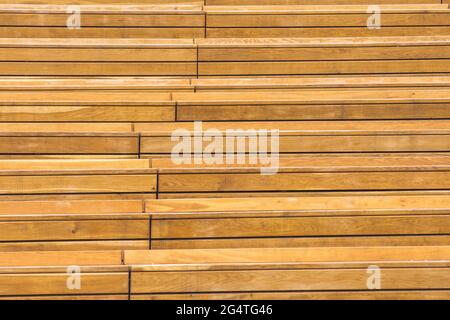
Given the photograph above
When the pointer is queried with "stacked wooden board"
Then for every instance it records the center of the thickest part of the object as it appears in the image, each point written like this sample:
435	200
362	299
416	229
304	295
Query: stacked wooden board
94	206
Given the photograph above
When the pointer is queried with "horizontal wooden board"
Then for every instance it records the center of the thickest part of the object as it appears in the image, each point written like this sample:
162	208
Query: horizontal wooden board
69	164
286	242
353	53
379	204
93	84
315	32
68	144
111	32
80	128
47	259
97	69
258	68
301	2
86	113
337	181
70	207
285	280
246	259
78	183
335	225
16	231
56	284
75	245
296	83
337	295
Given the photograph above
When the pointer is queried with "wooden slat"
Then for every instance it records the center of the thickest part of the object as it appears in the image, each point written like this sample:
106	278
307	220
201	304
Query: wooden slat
307	2
56	284
336	295
43	259
73	182
286	242
314	221
311	105
75	245
91	106
229	181
317	136
319	83
97	57
379	204
252	57
324	16
245	259
14	165
93	84
70	207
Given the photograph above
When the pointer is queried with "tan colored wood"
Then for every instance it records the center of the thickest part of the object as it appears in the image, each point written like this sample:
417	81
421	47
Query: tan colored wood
181	258
296	83
75	245
337	295
50	284
74	230
70	207
202	207
47	259
286	242
316	32
93	84
78	182
113	164
66	297
68	144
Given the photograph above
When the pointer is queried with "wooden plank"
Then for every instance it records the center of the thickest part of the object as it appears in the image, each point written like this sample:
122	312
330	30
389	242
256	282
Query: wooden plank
304	2
313	163
246	259
316	32
317	136
319	54
78	182
287	242
75	245
106	164
335	225
97	69
258	68
92	84
80	196
309	83
286	280
69	106
105	15
380	205
311	105
56	284
68	144
332	181
91	57
65	127
47	259
256	56
120	229
87	113
114	32
313	16
66	297
71	207
337	295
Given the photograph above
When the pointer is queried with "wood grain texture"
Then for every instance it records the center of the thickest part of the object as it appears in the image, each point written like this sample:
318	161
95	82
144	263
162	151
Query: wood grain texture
337	295
77	182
